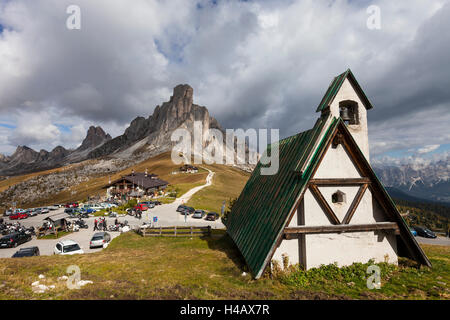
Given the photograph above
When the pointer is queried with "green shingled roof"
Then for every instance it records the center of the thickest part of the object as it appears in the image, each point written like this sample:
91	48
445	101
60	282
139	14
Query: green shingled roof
261	211
334	87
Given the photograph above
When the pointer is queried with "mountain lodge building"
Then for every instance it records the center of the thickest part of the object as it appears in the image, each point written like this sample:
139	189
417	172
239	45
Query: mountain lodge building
325	204
135	185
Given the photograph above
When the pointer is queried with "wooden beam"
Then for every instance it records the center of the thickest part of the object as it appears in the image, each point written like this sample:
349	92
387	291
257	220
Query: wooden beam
340	182
295	232
355	204
324	204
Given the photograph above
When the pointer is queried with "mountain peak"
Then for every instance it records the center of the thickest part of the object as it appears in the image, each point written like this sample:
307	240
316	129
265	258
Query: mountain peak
94	137
182	91
24	154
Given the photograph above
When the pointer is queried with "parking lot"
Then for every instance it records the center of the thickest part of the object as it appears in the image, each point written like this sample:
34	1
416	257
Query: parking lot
439	241
165	214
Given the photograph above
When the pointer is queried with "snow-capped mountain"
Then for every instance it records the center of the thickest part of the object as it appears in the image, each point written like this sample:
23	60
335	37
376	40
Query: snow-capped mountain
429	180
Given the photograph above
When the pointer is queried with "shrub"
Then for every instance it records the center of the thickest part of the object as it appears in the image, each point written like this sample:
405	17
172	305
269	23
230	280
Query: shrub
355	273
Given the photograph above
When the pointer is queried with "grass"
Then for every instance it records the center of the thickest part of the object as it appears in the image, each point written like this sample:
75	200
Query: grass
161	165
227	184
133	267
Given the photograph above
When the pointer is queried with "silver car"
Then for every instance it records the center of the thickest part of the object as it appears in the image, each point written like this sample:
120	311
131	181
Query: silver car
199	214
99	239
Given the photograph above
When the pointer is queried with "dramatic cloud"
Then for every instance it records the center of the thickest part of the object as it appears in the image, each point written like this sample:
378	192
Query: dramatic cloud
253	64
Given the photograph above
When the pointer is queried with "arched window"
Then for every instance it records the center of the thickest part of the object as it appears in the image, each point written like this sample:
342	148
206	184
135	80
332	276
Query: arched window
348	111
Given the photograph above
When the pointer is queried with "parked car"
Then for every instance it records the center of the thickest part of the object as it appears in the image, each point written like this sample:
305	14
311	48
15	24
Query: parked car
53	207
181	208
8	212
188	210
88	210
12	240
199	214
44	210
26	252
141	206
212	216
67	247
99	239
18	216
72	205
424	232
413	232
32	213
70	211
150	204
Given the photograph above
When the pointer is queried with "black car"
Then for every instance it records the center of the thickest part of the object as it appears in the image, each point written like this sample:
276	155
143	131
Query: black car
181	208
212	216
26	252
187	210
70	211
12	240
424	232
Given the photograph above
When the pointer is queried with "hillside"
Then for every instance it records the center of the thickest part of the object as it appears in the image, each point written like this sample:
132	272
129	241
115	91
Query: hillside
431	215
227	183
170	268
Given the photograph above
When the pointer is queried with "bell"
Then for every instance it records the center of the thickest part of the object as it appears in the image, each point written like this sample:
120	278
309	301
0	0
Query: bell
344	114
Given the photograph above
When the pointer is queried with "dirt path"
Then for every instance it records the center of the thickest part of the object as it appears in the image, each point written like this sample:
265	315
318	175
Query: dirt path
185	197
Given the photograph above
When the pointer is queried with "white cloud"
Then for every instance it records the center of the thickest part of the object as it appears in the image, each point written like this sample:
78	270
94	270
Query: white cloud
253	64
428	149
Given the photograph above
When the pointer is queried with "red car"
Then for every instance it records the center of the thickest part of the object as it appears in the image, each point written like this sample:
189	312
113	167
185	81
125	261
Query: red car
18	216
72	205
141	206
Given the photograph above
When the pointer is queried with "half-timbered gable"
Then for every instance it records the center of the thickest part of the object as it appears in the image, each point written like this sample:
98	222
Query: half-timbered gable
325	204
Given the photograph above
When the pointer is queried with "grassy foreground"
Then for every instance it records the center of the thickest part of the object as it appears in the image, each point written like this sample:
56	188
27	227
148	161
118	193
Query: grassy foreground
133	267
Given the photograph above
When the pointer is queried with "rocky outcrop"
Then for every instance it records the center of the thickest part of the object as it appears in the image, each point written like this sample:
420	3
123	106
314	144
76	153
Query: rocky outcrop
95	137
179	111
25	159
144	137
23	154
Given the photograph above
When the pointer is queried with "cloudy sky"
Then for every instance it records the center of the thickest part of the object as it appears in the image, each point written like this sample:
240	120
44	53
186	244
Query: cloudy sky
254	64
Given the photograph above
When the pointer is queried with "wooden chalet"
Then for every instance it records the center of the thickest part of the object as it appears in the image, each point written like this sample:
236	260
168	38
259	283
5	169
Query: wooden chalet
325	204
187	168
135	185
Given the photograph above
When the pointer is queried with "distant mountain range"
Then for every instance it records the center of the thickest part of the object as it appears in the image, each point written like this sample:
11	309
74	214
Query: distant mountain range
145	137
415	182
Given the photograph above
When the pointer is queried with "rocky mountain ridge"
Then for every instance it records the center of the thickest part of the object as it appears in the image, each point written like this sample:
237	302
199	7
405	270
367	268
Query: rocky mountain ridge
144	137
429	180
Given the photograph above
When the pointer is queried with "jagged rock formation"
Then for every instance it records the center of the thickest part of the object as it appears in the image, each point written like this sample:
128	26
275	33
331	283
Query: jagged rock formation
145	137
430	181
25	159
154	132
95	137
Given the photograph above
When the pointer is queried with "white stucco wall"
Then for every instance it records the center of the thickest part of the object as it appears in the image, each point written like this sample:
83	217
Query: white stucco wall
345	248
